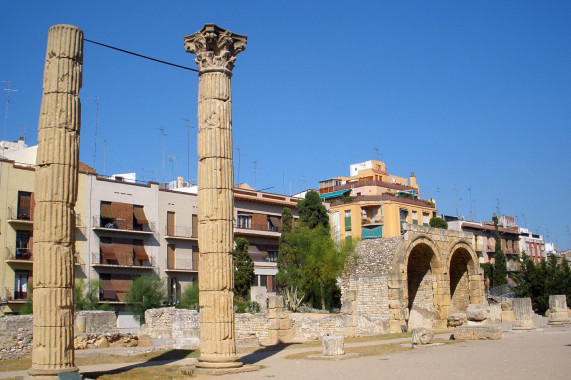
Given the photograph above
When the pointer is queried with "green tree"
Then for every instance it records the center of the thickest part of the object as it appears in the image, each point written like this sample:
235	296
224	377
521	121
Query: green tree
189	297
146	292
437	222
321	263
288	263
28	307
500	272
244	269
88	299
312	212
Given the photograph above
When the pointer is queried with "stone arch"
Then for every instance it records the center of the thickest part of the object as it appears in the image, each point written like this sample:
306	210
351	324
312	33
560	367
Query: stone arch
466	281
418	270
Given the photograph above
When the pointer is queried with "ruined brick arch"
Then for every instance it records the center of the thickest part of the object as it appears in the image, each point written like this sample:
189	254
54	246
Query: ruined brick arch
466	284
421	270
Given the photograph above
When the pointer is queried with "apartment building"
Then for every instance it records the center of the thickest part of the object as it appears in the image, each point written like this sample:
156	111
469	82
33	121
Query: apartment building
372	203
484	241
125	229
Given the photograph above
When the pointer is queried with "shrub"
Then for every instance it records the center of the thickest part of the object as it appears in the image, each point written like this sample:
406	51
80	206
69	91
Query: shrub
437	222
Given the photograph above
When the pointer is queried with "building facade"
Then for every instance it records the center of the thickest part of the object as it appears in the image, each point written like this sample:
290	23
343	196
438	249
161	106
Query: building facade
372	203
125	229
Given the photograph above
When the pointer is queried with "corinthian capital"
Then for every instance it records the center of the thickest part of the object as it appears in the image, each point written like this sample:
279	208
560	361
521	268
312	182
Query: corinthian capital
215	48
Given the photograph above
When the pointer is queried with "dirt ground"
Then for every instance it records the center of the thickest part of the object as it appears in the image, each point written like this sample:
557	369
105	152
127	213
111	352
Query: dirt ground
544	353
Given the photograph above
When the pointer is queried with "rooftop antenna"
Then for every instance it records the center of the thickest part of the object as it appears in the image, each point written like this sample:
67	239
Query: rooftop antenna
256	168
471	213
9	91
474	201
188	128
96	127
24	126
456	193
163	134
377	152
104	156
498	207
438	195
172	159
239	157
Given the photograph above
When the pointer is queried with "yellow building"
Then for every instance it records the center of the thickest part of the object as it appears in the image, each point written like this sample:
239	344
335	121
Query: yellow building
372	203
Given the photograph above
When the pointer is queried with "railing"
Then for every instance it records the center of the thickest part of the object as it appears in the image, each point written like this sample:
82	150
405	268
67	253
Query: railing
24	254
501	291
13	294
180	264
376	220
257	227
120	224
15	213
179	231
97	259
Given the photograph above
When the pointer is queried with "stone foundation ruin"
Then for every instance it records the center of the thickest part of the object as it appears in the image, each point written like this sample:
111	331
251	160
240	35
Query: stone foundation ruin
414	280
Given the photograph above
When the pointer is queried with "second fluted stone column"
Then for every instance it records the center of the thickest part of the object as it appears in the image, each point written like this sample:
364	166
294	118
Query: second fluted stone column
215	50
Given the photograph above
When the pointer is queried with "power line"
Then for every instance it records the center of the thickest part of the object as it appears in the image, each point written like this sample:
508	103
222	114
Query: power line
140	55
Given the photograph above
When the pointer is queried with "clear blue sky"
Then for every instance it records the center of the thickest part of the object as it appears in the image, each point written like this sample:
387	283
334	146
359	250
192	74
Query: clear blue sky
471	94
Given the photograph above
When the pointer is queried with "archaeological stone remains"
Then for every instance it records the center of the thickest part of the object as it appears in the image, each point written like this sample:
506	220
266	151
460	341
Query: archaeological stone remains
558	310
523	314
55	196
216	50
415	280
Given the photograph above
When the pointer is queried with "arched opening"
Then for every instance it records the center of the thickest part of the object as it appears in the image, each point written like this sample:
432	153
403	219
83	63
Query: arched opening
459	280
420	287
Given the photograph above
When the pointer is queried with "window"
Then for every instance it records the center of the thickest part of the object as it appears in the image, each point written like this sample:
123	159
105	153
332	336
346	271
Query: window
273	223
171	223
23	245
425	218
24	205
403	214
414	218
244	220
347	220
21	284
272	256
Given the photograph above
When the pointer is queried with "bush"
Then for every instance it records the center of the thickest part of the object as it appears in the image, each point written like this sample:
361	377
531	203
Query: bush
437	222
146	292
189	297
241	306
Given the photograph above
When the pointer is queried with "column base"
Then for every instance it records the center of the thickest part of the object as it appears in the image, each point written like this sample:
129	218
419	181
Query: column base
50	374
219	363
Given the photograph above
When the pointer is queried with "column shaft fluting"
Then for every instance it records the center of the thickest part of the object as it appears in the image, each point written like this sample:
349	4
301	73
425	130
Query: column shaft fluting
215	50
55	196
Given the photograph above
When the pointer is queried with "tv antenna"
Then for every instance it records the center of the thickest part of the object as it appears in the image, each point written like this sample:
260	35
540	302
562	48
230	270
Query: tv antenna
256	168
163	134
188	128
172	159
471	213
9	91
377	152
239	157
96	127
456	194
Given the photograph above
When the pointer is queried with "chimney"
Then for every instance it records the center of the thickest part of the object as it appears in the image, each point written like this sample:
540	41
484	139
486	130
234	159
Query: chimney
179	182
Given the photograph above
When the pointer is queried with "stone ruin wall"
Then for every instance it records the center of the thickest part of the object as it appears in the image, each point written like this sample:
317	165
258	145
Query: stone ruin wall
99	321
364	285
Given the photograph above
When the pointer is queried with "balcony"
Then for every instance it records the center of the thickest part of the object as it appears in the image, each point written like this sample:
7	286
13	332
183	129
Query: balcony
19	255
99	260
180	265
179	233
252	229
119	226
16	296
19	216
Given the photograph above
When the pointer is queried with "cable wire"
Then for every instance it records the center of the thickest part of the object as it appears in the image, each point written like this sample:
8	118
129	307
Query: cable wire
140	55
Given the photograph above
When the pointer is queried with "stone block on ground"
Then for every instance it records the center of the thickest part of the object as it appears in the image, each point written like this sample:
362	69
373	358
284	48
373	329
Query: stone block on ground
456	319
422	336
333	345
481	332
476	312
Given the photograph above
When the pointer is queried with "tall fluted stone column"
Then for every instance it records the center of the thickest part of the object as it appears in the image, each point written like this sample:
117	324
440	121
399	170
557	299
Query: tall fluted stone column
215	50
55	195
558	309
523	314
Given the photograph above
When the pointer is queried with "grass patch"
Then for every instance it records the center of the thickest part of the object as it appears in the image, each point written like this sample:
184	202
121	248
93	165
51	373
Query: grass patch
25	363
140	373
